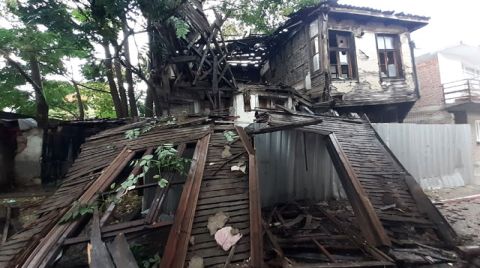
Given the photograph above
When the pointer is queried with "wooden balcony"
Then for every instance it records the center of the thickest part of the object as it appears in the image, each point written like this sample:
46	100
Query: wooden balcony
461	92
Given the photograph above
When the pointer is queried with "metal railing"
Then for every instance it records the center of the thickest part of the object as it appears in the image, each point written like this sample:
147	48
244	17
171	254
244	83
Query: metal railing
466	90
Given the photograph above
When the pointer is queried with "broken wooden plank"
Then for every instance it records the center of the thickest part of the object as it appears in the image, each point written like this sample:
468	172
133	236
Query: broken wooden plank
121	254
372	229
100	258
178	239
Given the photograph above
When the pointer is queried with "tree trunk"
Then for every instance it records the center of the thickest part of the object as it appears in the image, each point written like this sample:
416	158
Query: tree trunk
154	75
111	81
128	73
121	88
81	110
149	103
41	102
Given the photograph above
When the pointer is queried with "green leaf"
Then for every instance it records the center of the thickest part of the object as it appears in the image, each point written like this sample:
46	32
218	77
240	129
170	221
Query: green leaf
163	183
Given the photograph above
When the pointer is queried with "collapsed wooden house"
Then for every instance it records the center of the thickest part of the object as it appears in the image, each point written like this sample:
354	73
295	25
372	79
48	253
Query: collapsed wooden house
388	219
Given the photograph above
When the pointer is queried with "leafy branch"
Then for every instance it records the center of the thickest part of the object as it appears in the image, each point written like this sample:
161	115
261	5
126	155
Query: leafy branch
165	158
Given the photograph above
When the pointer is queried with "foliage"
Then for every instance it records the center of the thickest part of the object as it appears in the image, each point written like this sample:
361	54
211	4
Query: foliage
78	210
165	158
143	258
263	15
181	27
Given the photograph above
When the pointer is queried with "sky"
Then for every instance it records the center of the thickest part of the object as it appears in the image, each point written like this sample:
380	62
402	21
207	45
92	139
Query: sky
451	22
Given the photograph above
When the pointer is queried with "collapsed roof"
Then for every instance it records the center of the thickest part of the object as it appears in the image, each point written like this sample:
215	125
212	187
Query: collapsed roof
391	215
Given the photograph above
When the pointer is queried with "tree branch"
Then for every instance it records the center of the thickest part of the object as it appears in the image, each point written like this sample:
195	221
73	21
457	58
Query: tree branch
27	77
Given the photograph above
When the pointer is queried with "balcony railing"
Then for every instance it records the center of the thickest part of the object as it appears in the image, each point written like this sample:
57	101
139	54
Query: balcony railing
467	90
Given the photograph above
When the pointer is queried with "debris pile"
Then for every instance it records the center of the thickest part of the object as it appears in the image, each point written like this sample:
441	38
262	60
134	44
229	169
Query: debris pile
317	233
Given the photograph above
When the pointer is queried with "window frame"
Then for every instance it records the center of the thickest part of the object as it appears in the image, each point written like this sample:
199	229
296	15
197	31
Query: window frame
397	56
311	40
351	56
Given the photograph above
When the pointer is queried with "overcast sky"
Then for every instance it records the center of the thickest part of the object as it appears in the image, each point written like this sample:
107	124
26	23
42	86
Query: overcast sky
450	21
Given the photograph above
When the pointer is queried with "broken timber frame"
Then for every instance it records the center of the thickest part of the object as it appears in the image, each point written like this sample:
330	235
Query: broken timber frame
372	230
48	248
178	239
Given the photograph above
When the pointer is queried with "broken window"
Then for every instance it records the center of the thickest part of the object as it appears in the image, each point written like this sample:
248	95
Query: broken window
389	56
342	55
314	46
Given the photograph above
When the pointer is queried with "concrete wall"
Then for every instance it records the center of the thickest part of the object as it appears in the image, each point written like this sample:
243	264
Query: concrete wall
28	159
367	56
429	108
450	69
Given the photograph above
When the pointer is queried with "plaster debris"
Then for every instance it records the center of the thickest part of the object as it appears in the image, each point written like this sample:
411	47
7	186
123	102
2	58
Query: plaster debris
227	237
216	222
196	262
226	152
241	166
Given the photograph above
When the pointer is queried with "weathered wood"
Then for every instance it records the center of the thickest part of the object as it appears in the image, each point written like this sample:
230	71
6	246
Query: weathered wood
49	247
372	229
121	254
125	228
247	142
178	239
256	240
100	258
324	250
286	126
347	264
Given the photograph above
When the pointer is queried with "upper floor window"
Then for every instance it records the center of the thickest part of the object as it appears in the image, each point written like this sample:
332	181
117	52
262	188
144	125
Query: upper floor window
389	56
342	55
314	46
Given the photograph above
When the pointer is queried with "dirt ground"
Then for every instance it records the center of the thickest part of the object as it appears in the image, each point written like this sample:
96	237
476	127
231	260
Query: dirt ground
461	207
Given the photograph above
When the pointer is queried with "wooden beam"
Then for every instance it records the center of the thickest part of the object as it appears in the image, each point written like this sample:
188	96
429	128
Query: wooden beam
247	142
178	239
286	126
372	229
256	237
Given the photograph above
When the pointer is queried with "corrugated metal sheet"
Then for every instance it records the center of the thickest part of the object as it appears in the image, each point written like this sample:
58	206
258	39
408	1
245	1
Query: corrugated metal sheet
438	156
294	165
